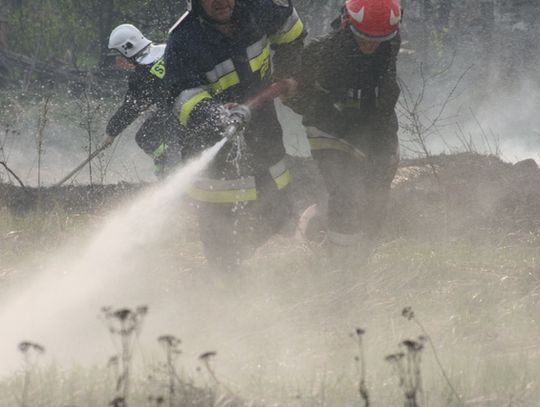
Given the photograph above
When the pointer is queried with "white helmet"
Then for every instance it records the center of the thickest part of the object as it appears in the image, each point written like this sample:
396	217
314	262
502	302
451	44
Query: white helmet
128	40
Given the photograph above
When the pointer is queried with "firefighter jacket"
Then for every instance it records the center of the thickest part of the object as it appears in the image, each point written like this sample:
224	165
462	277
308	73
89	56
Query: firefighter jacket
146	87
207	69
344	92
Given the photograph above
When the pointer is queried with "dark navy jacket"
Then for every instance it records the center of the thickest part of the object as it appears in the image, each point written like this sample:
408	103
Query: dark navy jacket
146	88
206	69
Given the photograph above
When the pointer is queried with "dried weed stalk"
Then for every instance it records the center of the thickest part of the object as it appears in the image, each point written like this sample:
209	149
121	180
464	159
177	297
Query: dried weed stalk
124	326
409	314
171	346
361	366
406	364
31	352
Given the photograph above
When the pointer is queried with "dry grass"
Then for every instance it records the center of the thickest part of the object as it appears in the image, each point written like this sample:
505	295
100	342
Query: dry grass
281	324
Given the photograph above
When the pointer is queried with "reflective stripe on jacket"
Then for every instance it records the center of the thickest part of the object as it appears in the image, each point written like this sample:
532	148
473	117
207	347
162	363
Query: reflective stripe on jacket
236	190
319	140
205	68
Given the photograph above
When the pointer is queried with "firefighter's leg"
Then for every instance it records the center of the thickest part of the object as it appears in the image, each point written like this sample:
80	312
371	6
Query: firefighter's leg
382	166
264	217
343	176
219	230
158	138
150	134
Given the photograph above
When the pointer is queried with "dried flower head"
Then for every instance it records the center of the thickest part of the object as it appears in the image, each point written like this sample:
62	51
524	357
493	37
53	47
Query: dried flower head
122	314
408	313
169	340
24	346
395	357
207	355
412	346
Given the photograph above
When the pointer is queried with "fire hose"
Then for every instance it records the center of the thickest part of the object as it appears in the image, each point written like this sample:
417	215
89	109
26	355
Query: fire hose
266	95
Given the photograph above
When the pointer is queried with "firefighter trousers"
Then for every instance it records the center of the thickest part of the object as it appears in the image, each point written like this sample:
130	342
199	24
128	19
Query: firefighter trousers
358	175
231	231
160	137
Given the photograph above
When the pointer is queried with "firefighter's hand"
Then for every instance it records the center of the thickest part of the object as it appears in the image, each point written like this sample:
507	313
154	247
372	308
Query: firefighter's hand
107	141
292	88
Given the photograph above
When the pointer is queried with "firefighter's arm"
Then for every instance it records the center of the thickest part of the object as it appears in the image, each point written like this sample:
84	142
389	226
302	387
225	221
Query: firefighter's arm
311	97
286	33
133	105
389	89
385	124
192	98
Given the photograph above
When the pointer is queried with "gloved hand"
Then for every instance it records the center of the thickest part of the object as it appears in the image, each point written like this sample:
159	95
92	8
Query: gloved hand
107	141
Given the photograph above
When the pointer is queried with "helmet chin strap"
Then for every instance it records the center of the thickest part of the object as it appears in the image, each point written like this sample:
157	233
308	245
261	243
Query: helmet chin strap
141	54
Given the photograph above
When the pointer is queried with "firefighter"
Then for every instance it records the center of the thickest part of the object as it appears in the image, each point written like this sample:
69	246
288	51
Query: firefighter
220	53
160	135
347	96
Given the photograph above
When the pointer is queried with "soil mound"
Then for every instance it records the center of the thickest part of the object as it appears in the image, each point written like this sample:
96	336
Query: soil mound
467	196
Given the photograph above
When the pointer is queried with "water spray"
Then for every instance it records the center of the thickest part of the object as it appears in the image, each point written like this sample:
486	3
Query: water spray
52	297
72	281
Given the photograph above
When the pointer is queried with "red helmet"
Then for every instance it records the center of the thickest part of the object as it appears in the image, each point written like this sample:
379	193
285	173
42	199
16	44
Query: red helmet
373	20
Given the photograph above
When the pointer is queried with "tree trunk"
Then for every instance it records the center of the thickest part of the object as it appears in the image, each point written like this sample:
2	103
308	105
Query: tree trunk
105	24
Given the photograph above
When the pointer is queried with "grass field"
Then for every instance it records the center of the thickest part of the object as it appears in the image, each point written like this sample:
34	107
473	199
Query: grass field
282	324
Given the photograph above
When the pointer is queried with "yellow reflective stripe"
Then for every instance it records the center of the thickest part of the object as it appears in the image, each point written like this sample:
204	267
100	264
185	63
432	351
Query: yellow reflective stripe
162	149
235	195
239	195
220	70
258	62
349	104
188	106
158	69
283	180
225	82
324	143
289	36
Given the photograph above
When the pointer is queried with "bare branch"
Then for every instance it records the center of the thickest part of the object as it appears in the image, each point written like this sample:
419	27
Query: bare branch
2	163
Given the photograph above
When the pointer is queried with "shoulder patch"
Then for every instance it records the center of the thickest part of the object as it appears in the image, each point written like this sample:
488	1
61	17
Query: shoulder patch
158	69
281	3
